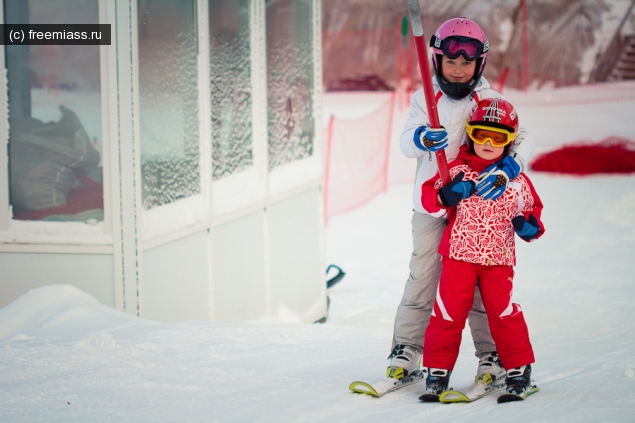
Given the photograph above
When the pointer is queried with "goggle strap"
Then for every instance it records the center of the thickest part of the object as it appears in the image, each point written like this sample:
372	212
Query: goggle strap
433	40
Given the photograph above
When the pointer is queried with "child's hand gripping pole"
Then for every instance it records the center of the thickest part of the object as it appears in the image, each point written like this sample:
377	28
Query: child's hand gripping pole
426	80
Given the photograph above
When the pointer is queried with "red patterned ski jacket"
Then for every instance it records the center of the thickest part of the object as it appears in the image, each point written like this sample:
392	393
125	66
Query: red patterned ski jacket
481	231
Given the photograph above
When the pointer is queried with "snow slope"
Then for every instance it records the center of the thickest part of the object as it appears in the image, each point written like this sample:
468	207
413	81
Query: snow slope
64	357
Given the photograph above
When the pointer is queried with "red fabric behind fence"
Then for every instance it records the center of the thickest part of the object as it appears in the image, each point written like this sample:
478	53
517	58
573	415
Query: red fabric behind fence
611	155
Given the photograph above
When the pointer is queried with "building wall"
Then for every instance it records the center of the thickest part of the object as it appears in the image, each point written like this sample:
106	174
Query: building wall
239	257
21	272
176	277
200	198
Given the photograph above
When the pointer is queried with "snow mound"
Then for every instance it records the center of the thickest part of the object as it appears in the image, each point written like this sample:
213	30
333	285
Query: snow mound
61	311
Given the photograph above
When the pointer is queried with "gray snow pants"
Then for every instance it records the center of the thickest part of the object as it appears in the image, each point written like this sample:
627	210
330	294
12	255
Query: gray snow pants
413	313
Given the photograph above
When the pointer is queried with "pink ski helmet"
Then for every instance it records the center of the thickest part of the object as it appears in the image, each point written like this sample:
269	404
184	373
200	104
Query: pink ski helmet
459	37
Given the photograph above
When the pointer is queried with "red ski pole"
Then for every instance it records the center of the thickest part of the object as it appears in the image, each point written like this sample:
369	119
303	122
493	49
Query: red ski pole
426	80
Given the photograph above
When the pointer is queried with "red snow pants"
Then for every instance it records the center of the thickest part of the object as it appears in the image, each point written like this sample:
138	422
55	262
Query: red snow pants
455	297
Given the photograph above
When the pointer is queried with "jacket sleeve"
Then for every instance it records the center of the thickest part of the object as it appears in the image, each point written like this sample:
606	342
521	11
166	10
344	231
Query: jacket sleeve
429	192
533	206
418	117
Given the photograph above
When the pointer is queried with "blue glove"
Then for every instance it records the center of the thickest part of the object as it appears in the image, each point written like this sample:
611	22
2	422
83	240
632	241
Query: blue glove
526	229
457	190
492	182
431	139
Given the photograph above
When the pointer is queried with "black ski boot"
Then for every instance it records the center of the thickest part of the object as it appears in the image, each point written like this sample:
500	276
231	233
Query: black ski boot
436	382
518	384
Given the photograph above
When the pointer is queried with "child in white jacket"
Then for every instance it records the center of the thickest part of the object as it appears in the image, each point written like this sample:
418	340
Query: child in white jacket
459	51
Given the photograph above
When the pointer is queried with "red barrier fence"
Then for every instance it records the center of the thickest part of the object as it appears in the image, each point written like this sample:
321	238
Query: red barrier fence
357	157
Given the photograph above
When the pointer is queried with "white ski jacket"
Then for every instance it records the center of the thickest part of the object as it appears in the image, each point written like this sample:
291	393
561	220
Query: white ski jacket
452	115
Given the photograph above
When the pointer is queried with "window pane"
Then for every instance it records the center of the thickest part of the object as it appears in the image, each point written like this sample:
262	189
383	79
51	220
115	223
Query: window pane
55	135
230	69
168	91
289	80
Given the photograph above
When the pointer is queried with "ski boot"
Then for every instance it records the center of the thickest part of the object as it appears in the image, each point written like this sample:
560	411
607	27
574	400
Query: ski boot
518	384
404	360
490	369
436	382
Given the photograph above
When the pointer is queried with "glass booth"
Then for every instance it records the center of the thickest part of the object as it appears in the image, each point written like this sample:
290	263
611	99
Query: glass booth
175	174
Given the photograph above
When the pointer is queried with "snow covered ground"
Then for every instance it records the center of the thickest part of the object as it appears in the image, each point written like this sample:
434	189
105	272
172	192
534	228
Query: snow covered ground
64	357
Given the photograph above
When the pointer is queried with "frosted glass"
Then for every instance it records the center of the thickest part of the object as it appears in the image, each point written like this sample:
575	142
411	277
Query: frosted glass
55	128
289	80
230	71
168	101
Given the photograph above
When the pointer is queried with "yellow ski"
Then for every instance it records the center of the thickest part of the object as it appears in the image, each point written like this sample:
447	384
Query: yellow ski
363	388
483	385
389	384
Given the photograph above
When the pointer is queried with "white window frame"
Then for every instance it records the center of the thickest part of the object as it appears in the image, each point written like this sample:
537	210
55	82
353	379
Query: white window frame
70	237
307	173
5	212
167	222
246	189
255	187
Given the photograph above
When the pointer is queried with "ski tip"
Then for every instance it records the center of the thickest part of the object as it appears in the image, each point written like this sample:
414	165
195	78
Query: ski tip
363	388
453	396
429	398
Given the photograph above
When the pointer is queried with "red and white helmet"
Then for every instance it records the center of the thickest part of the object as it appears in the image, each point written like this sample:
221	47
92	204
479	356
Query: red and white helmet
495	120
459	37
495	112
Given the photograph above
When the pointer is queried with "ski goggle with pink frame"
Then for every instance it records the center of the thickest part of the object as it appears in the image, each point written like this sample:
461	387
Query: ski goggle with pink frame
455	46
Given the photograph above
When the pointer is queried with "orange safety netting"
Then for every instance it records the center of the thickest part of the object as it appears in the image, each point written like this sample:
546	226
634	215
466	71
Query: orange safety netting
357	159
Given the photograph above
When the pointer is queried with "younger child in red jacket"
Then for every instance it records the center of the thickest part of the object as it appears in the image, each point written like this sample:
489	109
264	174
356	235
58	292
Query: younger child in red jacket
478	247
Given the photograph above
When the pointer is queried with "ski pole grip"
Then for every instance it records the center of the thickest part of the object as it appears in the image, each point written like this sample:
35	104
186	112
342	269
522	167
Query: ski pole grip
426	81
415	18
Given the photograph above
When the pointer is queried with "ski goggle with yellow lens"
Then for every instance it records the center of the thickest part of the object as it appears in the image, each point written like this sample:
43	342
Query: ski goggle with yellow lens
498	137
